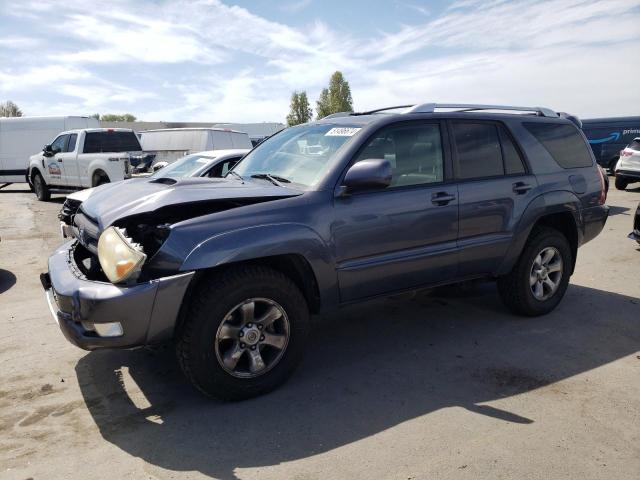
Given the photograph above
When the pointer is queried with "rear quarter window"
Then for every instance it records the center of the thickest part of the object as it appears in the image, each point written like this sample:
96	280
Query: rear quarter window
103	142
563	142
635	145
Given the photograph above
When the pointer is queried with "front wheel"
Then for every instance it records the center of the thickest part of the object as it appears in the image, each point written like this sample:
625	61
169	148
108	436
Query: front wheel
245	332
40	188
621	183
539	280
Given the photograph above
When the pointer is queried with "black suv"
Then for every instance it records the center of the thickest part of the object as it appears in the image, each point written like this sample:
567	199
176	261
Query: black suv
323	214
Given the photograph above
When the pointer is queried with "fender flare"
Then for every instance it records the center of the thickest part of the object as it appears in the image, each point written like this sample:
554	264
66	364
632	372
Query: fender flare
93	168
548	203
262	241
31	172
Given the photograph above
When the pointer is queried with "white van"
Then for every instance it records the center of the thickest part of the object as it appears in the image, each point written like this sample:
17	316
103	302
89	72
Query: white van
21	137
169	144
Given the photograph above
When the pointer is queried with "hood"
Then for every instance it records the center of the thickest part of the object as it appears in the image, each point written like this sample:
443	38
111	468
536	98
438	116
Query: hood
113	201
82	195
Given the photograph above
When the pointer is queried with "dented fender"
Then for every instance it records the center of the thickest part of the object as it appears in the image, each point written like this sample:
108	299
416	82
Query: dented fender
261	241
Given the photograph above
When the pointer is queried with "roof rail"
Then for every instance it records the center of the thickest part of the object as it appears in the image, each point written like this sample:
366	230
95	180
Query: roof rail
431	107
338	114
383	109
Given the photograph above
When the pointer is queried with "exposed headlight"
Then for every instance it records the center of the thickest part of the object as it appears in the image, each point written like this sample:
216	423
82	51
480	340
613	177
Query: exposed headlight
120	258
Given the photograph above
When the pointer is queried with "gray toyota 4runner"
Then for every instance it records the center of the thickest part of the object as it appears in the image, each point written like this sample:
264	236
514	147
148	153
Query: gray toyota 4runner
324	214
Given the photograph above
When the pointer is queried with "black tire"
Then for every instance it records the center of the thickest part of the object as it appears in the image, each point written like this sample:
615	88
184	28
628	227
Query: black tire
515	288
40	188
99	178
612	166
621	183
210	304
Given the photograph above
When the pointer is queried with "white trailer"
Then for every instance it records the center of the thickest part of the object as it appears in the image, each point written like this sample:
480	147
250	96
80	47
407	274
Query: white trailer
169	144
21	137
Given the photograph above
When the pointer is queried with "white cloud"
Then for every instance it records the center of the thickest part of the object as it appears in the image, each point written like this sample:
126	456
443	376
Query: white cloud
295	6
12	80
18	42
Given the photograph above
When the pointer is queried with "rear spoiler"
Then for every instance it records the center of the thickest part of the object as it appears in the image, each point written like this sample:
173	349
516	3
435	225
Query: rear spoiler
573	118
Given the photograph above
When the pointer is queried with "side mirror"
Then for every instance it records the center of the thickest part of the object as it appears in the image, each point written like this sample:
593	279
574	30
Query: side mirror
371	174
48	151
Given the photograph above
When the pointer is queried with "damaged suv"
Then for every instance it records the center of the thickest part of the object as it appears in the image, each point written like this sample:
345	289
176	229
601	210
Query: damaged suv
324	214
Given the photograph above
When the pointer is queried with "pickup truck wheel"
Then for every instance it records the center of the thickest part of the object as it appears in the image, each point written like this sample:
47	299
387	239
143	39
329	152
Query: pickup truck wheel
99	178
245	333
539	280
40	188
621	183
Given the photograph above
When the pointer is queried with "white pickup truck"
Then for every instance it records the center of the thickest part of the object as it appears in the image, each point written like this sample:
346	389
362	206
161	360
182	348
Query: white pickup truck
83	158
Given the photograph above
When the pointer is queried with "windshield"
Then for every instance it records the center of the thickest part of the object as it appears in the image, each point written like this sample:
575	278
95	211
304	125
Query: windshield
183	167
299	155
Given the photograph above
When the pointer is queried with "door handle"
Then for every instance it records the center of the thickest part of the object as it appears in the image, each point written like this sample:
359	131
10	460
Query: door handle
521	187
442	198
59	159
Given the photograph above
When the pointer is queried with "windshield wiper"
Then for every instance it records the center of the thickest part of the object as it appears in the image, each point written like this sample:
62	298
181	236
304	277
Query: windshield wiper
236	174
275	179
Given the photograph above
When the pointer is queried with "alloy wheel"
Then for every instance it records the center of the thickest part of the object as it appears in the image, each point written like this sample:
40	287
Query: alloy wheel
252	338
546	273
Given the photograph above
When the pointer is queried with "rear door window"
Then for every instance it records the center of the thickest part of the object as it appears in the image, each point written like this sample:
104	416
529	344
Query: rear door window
635	145
111	142
563	142
478	150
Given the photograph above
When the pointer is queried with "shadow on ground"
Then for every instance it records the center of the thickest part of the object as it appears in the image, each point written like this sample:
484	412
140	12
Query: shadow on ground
7	280
13	190
615	210
369	368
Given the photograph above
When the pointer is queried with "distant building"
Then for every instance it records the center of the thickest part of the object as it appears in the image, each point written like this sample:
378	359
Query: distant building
256	131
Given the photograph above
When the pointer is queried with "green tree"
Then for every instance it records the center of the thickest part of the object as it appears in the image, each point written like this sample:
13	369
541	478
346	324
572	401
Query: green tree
323	105
96	116
10	109
112	117
299	110
336	98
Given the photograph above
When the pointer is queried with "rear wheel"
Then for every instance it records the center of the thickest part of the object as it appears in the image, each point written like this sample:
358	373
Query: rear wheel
539	280
621	183
40	188
99	178
245	333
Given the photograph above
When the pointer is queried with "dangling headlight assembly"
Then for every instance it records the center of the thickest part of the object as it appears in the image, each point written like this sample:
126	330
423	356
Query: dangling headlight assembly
120	257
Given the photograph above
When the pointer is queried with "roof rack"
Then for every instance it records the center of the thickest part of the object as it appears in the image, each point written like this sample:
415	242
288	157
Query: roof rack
431	108
377	110
461	107
337	114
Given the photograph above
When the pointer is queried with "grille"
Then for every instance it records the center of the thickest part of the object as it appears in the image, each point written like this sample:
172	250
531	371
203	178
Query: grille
87	232
69	209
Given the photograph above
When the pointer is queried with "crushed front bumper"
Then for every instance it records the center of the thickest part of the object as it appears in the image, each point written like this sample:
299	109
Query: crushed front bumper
147	312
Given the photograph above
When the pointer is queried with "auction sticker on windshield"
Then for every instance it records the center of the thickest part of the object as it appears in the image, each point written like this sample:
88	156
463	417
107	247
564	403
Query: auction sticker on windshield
342	132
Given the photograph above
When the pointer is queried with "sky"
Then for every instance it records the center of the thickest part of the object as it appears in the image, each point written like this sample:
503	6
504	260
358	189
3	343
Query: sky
225	61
